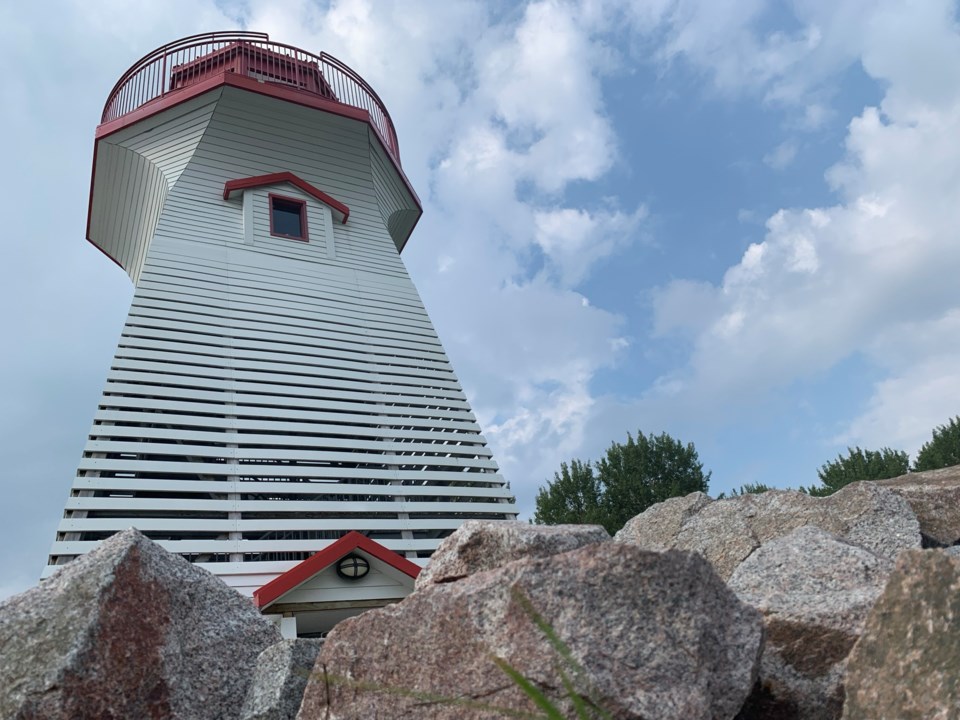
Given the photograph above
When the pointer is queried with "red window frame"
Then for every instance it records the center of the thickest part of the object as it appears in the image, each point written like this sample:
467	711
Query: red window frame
303	237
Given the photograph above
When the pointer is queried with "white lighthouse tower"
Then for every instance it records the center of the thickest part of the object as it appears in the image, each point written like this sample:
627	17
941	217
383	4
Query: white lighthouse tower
278	383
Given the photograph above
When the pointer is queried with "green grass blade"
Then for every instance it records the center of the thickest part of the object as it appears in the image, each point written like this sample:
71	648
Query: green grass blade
529	689
560	647
578	704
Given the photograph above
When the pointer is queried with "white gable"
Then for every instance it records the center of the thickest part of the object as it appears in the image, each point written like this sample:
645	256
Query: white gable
381	583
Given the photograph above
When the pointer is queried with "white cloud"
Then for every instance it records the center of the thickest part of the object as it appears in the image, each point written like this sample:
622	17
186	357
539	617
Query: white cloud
575	239
907	406
782	155
921	389
685	307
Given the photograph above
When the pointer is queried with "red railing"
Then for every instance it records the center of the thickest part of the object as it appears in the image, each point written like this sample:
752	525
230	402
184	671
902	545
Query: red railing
195	58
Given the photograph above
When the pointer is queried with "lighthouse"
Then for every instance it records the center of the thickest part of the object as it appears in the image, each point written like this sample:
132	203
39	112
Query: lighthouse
278	385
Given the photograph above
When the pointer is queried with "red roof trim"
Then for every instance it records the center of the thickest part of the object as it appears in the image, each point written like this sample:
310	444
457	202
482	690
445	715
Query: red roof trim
243	82
176	97
299	574
232	186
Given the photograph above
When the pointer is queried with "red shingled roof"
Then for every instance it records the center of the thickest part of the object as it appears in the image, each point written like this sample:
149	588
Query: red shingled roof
299	574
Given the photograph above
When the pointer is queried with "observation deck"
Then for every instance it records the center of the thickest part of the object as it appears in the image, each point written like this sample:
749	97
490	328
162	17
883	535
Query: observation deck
157	114
179	70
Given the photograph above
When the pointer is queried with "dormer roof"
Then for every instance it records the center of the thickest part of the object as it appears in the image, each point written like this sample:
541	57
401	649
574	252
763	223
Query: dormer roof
231	186
353	541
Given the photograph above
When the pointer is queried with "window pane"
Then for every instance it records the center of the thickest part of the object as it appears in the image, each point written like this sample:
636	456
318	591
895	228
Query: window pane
287	217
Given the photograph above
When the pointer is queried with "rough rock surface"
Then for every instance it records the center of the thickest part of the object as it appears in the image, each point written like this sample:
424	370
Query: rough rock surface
906	664
934	496
657	635
128	631
727	532
279	679
479	545
814	591
657	526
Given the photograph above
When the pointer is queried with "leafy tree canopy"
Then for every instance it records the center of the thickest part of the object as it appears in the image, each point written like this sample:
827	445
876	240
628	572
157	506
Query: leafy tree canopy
572	497
859	465
631	477
746	489
943	450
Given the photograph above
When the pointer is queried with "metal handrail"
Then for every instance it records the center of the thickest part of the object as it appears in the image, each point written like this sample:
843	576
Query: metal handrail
177	64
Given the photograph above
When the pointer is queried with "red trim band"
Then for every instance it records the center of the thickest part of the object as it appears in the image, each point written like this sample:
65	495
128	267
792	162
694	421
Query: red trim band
242	82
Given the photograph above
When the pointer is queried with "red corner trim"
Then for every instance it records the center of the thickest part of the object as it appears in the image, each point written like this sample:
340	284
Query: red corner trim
232	186
299	574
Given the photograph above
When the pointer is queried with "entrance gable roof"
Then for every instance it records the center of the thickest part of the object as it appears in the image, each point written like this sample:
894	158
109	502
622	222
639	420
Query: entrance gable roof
320	561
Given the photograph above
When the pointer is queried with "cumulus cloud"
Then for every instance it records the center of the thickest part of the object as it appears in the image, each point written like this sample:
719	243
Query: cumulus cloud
921	386
829	282
574	239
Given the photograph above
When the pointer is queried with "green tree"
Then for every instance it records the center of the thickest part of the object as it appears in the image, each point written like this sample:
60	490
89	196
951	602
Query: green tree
630	478
859	465
746	489
572	497
642	472
943	450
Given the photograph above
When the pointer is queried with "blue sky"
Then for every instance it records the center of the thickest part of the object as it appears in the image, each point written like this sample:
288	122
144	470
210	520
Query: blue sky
731	220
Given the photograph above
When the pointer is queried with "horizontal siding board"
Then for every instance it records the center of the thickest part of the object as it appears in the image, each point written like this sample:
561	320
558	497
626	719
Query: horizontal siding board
106	424
249	508
259	406
187	488
268	470
193	547
209	525
271	409
117	432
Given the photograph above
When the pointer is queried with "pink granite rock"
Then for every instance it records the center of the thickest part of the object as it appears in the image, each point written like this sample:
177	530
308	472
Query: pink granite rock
655	635
727	532
479	545
934	496
814	591
128	631
906	664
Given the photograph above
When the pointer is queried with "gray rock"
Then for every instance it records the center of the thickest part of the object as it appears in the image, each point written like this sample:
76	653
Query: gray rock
814	591
479	545
934	496
128	631
723	533
727	532
656	528
656	635
906	664
279	679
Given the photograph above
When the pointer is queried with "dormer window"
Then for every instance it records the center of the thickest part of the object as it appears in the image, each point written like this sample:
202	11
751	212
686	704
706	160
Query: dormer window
288	218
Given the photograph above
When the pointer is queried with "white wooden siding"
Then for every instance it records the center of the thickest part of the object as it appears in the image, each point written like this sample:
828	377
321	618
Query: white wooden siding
268	396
